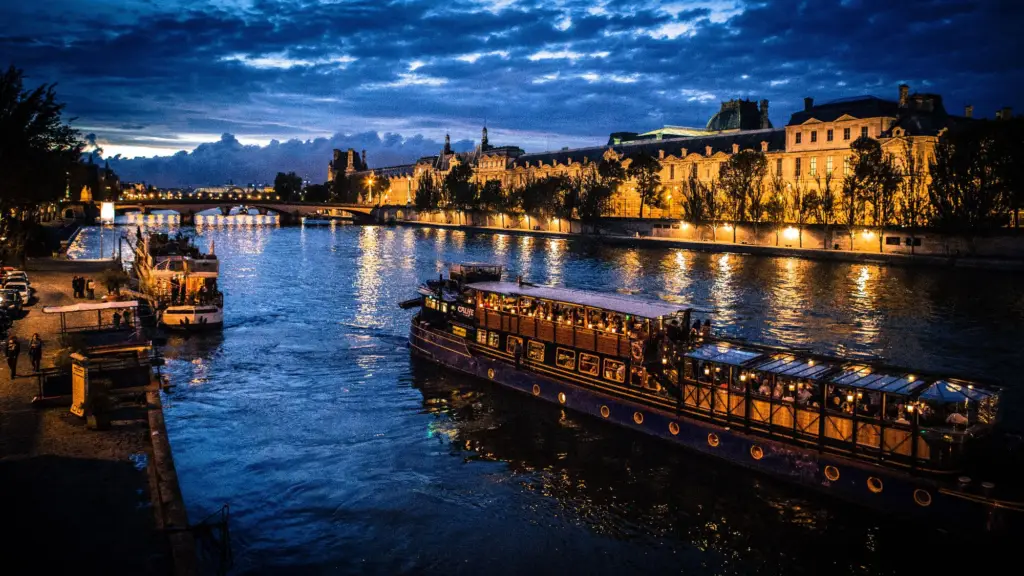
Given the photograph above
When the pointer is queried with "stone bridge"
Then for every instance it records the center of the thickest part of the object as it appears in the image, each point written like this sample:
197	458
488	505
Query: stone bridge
287	212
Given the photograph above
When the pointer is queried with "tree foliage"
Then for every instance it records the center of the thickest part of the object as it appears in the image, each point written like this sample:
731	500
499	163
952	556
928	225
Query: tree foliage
491	196
742	177
289	186
645	171
966	193
315	193
428	193
458	187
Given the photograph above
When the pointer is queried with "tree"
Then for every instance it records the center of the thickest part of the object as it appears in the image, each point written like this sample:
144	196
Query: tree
913	199
776	206
742	177
343	189
459	188
288	186
965	193
428	195
38	152
315	193
540	196
491	197
693	201
875	179
595	193
713	205
645	170
372	187
851	204
822	203
567	200
803	208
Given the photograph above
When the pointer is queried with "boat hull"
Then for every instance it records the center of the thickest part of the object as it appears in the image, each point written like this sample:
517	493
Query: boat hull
192	318
863	483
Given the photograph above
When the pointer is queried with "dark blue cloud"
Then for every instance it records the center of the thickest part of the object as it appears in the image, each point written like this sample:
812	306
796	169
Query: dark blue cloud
146	75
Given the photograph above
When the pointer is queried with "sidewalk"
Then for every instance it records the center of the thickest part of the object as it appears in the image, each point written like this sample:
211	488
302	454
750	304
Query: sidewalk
74	499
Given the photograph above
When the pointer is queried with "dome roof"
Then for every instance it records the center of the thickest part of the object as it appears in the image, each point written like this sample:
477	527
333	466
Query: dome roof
737	115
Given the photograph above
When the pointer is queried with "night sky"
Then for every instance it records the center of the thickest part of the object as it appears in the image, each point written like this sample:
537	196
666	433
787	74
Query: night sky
275	84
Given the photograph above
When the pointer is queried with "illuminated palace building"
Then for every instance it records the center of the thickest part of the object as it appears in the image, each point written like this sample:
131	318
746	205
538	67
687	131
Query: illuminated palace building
814	143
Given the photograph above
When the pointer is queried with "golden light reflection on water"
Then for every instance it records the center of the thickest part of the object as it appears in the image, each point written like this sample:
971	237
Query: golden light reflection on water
525	260
724	294
556	254
863	302
786	301
677	277
500	243
369	269
629	270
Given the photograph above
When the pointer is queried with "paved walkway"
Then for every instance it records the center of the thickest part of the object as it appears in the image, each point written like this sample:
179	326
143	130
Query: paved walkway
71	498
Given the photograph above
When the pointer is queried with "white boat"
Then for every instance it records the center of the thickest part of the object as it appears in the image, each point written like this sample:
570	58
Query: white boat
315	221
182	281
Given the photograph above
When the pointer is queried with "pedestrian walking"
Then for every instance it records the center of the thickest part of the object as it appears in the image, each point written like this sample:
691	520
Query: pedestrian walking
35	351
13	351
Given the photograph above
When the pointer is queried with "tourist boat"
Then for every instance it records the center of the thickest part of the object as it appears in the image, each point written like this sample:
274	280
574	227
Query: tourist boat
181	280
316	221
904	441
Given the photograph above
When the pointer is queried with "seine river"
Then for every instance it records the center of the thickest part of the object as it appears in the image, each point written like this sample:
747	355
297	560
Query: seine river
338	453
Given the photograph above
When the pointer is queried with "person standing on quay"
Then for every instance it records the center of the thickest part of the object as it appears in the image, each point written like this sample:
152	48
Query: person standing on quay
91	289
13	351
35	351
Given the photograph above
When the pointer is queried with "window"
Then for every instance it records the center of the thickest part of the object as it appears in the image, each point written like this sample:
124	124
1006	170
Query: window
565	359
589	364
481	336
828	135
493	339
814	167
828	165
535	351
796	167
693	170
614	370
510	344
846	133
672	172
892	240
778	167
846	166
814	135
799	137
913	241
864	132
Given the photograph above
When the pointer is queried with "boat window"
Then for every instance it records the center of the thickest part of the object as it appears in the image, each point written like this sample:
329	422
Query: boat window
492	339
841	399
589	364
509	304
481	336
527	306
536	351
566	359
459	331
444	307
510	344
614	370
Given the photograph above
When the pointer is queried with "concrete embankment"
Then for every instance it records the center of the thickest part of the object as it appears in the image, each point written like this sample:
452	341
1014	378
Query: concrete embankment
811	253
98	502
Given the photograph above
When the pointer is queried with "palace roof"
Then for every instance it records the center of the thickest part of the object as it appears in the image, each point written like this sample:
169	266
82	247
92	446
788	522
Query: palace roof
748	139
857	107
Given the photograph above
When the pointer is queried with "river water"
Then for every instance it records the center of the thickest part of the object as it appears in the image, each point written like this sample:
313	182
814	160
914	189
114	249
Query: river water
339	453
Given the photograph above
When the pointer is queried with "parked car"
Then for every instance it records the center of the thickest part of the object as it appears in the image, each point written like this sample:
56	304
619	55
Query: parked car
16	276
10	300
23	289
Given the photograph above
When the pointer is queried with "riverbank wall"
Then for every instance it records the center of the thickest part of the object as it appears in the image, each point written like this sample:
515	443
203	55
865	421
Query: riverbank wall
1002	251
103	501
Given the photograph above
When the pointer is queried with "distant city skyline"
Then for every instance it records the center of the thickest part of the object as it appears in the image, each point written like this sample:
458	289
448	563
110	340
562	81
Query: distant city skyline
144	78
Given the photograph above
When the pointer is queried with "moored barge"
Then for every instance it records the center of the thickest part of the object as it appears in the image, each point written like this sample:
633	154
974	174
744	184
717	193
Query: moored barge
181	280
917	444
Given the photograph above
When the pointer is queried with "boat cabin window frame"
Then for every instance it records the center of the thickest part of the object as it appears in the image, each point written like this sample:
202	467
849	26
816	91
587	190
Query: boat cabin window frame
608	369
510	344
481	336
561	354
592	360
494	339
536	351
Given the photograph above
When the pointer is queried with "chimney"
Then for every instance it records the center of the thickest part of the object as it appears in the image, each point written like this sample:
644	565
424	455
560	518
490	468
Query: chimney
661	154
364	160
570	160
707	150
904	95
735	148
764	115
969	111
1007	113
808	104
447	144
683	153
764	146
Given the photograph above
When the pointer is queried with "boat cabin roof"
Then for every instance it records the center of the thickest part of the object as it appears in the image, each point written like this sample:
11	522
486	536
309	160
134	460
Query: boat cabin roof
956	391
868	378
722	353
793	366
610	302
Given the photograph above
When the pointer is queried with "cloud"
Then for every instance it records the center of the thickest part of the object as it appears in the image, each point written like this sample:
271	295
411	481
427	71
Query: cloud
147	76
